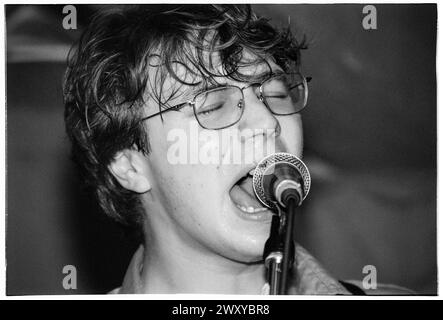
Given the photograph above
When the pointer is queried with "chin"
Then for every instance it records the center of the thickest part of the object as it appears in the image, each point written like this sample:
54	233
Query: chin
248	248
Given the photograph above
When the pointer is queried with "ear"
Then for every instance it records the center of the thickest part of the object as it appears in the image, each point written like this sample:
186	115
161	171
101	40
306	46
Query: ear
129	168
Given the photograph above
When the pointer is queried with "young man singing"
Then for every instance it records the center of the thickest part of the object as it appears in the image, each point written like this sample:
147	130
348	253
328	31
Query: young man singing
144	79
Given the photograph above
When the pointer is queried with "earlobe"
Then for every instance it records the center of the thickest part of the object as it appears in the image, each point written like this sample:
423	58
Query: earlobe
129	168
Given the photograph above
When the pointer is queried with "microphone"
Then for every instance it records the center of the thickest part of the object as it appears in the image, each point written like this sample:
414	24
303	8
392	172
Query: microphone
279	177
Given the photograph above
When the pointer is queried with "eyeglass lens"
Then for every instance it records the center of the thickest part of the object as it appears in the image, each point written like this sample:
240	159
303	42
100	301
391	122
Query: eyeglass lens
222	107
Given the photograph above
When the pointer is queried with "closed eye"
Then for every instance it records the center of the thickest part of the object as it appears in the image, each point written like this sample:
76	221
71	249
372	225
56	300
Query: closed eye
276	94
208	109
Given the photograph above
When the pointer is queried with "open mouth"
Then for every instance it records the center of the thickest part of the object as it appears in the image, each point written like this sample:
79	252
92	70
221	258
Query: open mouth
243	196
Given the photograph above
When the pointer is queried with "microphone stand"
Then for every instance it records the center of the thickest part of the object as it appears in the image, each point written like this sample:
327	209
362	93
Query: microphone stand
289	246
273	256
279	249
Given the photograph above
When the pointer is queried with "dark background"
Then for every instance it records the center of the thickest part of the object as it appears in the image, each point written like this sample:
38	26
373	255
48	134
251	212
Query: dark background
370	130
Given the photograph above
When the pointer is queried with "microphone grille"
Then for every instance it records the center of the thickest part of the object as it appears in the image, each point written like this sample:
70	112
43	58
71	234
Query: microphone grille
268	162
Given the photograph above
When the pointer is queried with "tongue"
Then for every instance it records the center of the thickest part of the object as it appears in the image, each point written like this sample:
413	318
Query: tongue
242	194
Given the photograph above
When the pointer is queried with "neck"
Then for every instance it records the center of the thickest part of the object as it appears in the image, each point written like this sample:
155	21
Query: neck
170	266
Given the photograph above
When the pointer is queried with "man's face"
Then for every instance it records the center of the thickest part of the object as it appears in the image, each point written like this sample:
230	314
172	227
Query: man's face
209	206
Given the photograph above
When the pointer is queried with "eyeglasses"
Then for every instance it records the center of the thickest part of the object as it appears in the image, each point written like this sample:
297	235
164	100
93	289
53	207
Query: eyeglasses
219	108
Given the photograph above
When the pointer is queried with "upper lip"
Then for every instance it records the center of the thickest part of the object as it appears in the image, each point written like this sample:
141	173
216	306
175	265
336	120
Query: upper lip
243	173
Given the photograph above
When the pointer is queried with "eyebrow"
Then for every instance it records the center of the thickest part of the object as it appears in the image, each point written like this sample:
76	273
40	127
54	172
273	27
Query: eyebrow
263	76
266	75
189	94
210	85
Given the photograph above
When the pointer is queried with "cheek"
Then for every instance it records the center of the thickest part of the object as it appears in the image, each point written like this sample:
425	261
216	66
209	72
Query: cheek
177	171
188	197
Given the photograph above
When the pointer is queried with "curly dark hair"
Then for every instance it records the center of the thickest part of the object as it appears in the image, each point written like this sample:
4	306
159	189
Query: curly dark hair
108	78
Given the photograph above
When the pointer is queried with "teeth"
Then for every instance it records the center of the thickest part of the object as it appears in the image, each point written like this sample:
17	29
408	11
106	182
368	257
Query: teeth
250	209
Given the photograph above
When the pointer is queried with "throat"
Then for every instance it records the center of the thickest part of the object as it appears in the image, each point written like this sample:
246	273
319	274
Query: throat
195	275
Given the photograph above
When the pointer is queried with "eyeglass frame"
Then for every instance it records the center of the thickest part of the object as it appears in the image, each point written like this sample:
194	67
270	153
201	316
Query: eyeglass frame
305	81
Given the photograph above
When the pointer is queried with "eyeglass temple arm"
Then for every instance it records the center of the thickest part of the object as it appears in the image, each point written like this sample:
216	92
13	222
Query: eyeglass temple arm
176	108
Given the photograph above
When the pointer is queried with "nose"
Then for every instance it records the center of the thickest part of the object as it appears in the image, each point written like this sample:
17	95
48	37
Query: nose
257	116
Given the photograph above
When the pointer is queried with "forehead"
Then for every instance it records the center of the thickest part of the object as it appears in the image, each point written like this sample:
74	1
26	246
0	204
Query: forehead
184	80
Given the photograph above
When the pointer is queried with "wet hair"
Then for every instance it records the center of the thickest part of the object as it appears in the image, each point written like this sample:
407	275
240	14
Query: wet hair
123	59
